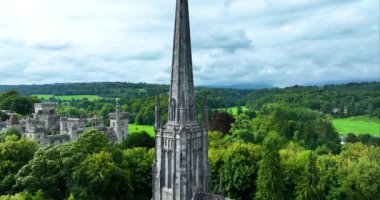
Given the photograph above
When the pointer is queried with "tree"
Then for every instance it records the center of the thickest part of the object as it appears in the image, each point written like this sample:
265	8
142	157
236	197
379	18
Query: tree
99	177
92	141
221	121
50	170
239	169
14	154
139	162
270	176
139	139
307	186
24	196
239	110
3	116
242	130
9	132
351	138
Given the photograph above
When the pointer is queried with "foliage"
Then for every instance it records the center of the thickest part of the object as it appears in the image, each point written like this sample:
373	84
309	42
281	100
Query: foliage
50	170
221	121
242	129
270	176
139	139
67	97
92	141
307	186
9	132
345	100
307	127
3	116
100	177
139	161
240	166
363	138
12	101
39	195
14	154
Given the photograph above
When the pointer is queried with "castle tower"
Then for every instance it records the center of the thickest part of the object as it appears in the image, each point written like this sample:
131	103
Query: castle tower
181	166
119	124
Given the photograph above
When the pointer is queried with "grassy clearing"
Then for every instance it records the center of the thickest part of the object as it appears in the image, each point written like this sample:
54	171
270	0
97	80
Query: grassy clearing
233	110
358	125
135	128
68	97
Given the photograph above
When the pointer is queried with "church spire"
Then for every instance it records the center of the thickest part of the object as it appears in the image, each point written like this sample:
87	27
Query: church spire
182	86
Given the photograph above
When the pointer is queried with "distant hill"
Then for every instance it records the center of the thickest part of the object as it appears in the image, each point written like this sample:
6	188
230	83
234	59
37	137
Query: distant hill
217	97
241	86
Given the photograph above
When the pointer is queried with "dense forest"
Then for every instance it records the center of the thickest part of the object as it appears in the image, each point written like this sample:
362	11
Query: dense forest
346	100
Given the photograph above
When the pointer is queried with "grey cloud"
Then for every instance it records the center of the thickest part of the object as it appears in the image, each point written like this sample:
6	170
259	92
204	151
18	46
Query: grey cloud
113	45
229	41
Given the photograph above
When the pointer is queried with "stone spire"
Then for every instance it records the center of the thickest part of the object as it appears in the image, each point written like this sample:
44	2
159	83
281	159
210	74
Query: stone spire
181	169
182	85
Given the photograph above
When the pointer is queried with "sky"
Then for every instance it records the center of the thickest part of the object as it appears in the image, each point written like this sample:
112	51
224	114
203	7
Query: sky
272	42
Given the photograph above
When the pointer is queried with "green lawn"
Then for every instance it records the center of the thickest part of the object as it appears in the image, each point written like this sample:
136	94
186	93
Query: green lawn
68	97
135	128
358	125
233	110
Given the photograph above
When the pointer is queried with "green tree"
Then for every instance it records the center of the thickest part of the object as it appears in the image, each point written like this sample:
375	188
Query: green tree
307	186
99	177
50	170
139	162
92	141
139	139
14	154
270	176
242	130
9	132
239	169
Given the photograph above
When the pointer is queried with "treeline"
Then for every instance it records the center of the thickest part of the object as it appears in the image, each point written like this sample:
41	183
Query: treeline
103	89
346	100
218	97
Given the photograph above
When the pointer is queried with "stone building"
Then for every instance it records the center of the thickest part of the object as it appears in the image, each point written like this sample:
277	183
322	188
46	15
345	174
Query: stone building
47	128
119	124
181	170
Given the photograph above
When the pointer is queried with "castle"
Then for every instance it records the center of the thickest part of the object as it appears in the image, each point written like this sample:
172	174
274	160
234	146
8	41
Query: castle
47	128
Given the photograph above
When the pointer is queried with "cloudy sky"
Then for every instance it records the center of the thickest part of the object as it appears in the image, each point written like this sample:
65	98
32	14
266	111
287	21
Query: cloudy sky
276	42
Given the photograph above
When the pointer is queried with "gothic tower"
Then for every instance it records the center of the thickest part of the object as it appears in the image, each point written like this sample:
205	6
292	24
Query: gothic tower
181	166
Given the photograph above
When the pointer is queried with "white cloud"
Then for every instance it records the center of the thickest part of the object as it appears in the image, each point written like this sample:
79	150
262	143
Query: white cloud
234	41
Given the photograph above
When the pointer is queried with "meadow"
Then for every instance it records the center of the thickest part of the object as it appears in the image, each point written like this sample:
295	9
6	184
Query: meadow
136	128
358	125
68	97
233	110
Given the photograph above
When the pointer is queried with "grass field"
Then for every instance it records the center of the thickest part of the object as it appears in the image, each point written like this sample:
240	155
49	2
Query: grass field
146	128
358	125
68	97
233	110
